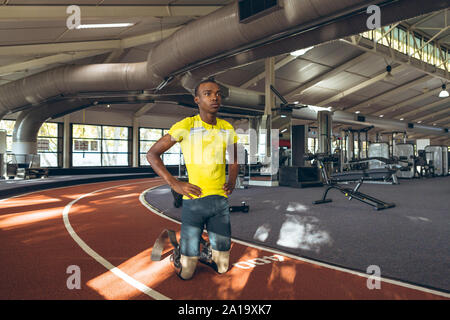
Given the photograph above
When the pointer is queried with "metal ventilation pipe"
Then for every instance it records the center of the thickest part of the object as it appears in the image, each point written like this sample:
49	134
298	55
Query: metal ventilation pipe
207	38
30	121
3	112
233	96
33	90
204	38
309	31
359	119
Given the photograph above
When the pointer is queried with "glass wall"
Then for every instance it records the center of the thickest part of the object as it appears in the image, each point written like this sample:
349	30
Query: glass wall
100	146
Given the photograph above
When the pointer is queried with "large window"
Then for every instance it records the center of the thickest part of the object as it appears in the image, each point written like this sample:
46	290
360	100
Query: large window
313	145
100	146
412	44
173	156
48	142
147	137
8	125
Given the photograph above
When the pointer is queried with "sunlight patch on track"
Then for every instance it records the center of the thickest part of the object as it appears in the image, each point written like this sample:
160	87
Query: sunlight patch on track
16	220
140	267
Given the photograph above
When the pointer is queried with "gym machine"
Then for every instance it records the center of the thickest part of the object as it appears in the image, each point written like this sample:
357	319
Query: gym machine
333	180
438	157
426	166
376	167
378	150
393	140
25	166
354	148
404	152
395	159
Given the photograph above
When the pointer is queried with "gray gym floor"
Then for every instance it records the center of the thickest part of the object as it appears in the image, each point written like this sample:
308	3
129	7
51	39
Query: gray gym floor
410	242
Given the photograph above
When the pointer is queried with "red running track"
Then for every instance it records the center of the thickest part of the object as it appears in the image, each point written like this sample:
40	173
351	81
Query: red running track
107	230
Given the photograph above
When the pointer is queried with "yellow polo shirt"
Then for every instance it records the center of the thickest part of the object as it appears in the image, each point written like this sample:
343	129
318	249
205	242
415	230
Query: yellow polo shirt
204	151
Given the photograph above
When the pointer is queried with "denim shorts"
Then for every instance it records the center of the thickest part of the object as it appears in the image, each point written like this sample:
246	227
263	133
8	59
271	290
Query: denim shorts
211	212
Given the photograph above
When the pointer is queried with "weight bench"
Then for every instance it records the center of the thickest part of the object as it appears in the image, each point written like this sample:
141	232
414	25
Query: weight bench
351	176
380	175
383	175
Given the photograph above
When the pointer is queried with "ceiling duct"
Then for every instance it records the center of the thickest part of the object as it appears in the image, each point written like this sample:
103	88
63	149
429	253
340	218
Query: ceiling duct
377	122
30	121
203	39
308	33
69	80
201	47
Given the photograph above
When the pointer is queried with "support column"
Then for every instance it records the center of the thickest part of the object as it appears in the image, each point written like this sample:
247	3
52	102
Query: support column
66	142
135	142
269	80
350	146
269	104
2	153
299	144
344	147
325	127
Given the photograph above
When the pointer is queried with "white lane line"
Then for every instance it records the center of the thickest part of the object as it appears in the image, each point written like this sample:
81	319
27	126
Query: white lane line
56	188
321	264
119	273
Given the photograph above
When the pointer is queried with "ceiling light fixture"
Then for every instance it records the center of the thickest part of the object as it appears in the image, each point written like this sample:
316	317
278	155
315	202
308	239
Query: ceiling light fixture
315	108
381	115
357	112
401	119
444	92
300	52
104	25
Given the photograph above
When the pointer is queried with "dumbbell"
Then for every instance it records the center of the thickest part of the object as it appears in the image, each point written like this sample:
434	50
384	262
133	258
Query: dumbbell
243	207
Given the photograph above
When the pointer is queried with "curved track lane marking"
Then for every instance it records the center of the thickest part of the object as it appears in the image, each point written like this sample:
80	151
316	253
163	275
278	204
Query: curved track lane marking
119	273
156	295
321	264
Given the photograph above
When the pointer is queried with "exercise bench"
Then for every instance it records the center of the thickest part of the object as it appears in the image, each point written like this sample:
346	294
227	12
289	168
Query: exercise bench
351	176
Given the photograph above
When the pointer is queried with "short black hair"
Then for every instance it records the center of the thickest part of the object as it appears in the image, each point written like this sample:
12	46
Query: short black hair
209	80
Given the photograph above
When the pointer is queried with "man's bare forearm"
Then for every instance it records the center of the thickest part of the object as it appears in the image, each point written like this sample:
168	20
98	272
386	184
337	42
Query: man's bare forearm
233	170
184	188
159	168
